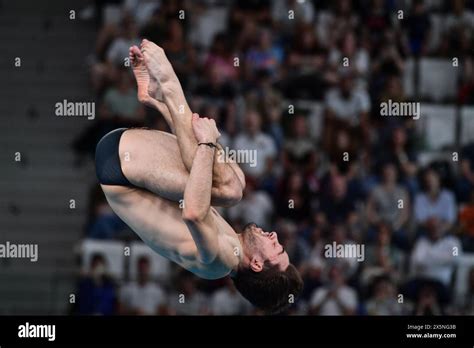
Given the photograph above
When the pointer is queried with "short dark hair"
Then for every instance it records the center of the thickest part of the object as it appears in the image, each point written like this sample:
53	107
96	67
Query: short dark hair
269	289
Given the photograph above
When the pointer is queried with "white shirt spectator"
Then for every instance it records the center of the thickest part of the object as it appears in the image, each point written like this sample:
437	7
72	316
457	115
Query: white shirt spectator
444	207
226	302
265	149
257	208
345	295
145	298
348	109
435	259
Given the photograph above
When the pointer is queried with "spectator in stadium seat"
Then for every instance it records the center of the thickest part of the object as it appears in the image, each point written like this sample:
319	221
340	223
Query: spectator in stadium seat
346	107
103	222
293	197
298	146
456	37
386	68
312	267
382	258
458	20
338	206
272	120
366	175
316	244
246	34
119	108
335	298
435	202
342	154
390	203
179	52
397	150
188	300
118	49
294	245
264	56
253	139
306	62
347	104
215	88
377	20
358	58
434	255
154	29
341	235
221	59
466	224
418	26
142	296
428	302
141	10
256	206
97	290
393	90
120	101
340	19
383	300
312	273
111	51
228	301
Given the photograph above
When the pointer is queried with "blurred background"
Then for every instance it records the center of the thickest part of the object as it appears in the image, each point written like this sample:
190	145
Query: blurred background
271	74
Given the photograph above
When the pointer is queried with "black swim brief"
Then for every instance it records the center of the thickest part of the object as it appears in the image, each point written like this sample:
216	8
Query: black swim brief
107	159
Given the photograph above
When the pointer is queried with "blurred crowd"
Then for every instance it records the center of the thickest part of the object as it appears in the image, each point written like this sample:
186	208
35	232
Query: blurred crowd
341	173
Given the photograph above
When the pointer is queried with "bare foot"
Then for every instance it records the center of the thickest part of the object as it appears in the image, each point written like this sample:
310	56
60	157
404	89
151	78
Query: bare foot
158	64
148	88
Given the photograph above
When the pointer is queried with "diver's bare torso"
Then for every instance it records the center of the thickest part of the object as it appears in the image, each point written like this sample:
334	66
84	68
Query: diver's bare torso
159	224
163	168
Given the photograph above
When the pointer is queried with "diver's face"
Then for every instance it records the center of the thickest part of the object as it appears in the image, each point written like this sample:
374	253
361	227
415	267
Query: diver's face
265	247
